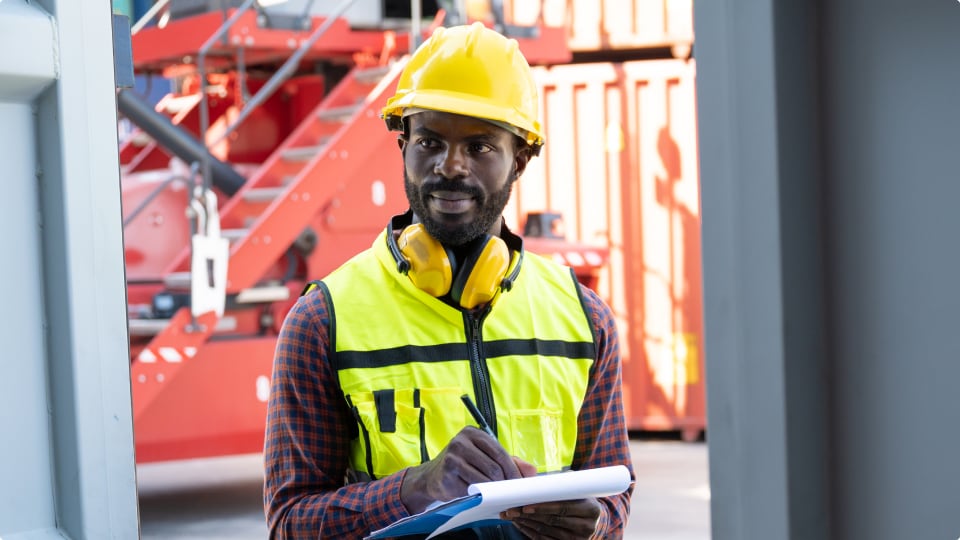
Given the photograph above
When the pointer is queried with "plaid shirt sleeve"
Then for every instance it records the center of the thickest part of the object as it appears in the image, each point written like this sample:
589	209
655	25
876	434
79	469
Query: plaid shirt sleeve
307	442
308	433
602	430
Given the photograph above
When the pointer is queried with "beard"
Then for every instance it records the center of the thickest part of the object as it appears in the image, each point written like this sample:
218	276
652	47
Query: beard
490	209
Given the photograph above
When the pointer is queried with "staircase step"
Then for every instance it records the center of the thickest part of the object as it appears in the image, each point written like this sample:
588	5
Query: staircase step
138	310
371	75
264	194
263	295
234	234
177	281
147	327
180	281
338	114
302	153
152	327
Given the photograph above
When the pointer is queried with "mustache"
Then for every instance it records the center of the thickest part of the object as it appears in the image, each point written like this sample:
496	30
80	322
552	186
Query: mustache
428	188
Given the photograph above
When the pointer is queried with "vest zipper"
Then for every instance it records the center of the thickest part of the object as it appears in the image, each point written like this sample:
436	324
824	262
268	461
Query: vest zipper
478	365
481	387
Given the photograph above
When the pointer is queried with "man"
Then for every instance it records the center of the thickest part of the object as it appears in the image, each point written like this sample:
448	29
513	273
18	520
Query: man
377	367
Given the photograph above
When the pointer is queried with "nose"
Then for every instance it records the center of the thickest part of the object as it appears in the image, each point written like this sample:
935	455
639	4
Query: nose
452	163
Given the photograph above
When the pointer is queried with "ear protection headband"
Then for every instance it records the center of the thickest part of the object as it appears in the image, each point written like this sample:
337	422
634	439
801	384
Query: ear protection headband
433	268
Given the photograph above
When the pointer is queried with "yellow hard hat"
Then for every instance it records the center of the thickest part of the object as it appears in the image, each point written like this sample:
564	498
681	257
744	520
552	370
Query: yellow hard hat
469	70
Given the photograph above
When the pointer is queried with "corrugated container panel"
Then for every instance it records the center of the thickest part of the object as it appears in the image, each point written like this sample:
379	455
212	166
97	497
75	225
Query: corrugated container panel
620	165
596	25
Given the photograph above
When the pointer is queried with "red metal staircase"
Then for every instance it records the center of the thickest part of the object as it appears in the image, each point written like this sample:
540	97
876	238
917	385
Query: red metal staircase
332	165
318	161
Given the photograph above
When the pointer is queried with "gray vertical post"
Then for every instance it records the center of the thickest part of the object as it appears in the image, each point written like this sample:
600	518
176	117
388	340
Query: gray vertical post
757	93
828	135
891	142
67	461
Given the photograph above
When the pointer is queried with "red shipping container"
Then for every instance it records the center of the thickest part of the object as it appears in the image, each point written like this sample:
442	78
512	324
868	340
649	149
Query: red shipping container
597	25
620	165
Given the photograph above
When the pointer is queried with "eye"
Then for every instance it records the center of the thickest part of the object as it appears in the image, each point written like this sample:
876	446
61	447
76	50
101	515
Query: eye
428	143
480	148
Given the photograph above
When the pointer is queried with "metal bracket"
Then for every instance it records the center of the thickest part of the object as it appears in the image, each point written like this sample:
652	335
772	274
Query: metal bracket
122	52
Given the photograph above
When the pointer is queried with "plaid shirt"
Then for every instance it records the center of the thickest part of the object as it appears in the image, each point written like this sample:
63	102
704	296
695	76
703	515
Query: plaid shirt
309	426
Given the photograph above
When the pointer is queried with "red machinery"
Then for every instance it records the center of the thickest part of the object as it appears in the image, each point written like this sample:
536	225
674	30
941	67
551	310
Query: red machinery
305	179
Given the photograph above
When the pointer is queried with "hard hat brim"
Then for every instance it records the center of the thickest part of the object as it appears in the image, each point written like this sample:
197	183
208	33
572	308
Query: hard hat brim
454	103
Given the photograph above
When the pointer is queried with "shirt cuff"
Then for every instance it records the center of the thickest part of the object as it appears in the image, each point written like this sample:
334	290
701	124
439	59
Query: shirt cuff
387	508
603	523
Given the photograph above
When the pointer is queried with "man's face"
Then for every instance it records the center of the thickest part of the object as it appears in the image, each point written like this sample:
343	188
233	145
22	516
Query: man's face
458	174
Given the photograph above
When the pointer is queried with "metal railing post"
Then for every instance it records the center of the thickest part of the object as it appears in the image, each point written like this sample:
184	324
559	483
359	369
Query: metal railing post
202	70
416	15
153	195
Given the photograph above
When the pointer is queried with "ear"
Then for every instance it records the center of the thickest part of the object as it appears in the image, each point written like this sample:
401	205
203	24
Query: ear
520	161
402	142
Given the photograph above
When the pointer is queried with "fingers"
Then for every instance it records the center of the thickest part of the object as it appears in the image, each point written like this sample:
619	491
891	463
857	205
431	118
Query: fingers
556	529
480	458
562	520
471	457
586	508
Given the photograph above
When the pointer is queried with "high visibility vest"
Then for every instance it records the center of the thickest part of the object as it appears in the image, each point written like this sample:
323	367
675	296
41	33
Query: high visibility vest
404	358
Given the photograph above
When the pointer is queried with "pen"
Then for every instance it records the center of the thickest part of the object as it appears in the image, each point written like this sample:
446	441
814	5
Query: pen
475	412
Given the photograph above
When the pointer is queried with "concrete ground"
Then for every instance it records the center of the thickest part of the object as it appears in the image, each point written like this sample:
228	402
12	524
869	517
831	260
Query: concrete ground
220	499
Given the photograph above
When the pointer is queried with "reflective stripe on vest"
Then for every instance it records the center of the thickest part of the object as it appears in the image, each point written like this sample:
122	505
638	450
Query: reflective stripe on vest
404	358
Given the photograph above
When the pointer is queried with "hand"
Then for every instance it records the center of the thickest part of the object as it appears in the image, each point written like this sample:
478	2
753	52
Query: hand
560	520
471	456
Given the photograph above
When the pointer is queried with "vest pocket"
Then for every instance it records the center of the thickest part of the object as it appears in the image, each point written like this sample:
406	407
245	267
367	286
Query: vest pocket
390	439
445	416
536	437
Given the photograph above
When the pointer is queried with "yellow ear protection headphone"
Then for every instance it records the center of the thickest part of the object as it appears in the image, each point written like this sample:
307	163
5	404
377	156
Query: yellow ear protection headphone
433	268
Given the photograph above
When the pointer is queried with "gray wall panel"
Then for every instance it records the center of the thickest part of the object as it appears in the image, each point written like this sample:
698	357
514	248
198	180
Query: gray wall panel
25	473
743	289
67	467
892	148
831	307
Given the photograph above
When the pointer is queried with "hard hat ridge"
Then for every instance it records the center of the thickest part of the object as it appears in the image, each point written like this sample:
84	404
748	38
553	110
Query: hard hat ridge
434	44
472	38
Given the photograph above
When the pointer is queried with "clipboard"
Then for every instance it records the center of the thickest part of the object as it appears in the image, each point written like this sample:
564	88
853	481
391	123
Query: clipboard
484	501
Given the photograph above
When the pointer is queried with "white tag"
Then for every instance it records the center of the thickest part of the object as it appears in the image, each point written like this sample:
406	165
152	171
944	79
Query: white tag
208	274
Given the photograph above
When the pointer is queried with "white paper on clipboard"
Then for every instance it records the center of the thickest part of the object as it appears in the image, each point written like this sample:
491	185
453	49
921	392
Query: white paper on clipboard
505	494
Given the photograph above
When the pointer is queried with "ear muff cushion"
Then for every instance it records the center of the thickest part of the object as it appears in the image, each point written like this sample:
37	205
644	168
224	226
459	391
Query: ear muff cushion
431	267
481	273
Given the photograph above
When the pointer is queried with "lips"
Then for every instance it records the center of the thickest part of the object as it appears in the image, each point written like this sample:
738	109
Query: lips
451	202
